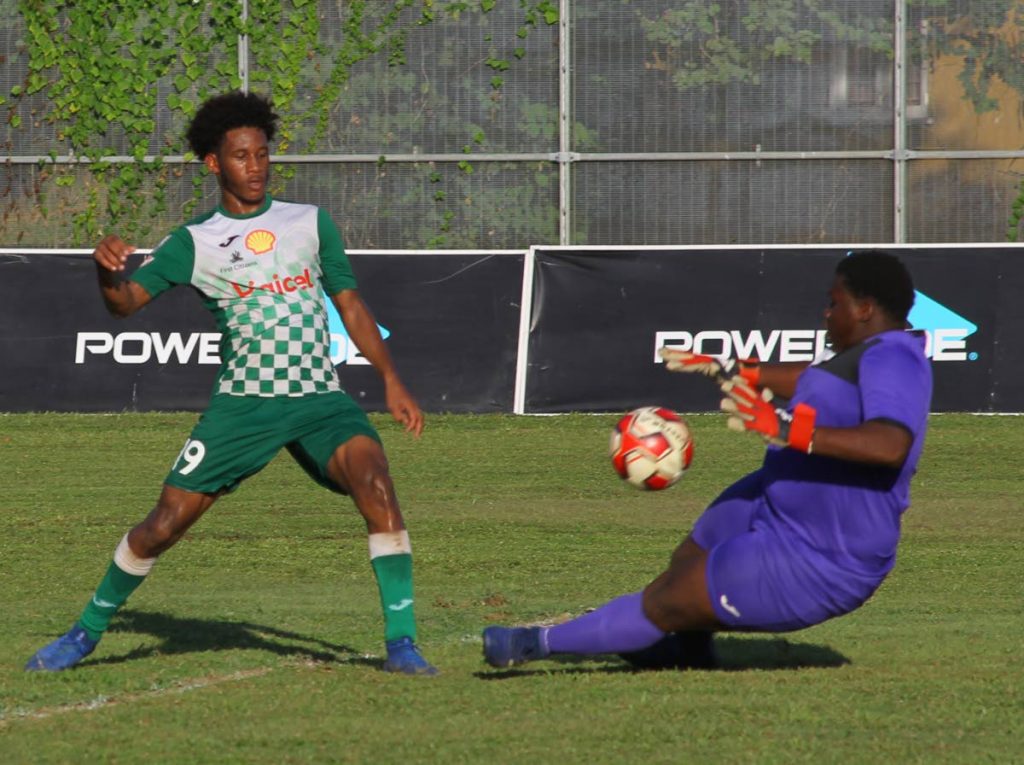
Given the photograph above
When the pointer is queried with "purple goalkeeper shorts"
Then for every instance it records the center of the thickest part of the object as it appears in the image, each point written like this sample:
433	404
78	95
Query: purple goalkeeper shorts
762	577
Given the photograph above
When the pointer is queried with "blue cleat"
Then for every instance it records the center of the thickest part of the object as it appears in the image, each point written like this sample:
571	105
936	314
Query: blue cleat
404	657
63	653
509	646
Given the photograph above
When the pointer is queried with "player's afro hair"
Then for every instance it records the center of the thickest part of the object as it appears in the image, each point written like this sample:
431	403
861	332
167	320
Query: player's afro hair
226	112
880	276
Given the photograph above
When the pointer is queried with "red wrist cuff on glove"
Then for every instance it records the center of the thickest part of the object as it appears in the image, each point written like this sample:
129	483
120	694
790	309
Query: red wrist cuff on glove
750	371
801	429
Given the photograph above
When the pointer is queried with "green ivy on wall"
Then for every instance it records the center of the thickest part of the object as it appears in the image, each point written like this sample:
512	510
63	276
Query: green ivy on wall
122	78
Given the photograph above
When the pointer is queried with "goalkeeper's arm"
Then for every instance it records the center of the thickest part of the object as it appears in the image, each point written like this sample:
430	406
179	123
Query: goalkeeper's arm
876	442
781	377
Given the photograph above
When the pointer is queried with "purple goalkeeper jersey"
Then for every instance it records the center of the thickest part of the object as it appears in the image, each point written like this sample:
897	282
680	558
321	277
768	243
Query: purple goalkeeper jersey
850	512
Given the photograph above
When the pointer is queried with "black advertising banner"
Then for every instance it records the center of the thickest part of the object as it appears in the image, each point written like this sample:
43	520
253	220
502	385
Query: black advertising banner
450	319
452	322
62	352
598	317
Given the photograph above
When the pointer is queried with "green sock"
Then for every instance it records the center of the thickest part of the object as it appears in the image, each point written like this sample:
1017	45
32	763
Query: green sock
394	580
113	591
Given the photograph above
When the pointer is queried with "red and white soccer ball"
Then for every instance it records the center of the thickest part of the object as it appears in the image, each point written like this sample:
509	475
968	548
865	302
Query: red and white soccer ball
651	447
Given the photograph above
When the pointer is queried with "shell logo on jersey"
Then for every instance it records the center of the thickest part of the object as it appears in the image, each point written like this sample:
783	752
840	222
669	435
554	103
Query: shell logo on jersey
260	241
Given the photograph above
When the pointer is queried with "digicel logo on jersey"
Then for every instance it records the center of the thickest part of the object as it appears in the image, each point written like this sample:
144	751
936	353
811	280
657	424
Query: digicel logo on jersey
288	284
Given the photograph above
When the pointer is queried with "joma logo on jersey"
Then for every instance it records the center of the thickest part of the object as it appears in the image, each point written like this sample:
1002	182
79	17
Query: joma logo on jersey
288	284
947	334
260	241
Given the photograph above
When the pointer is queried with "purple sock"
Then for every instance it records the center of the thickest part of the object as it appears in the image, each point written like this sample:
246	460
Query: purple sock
619	626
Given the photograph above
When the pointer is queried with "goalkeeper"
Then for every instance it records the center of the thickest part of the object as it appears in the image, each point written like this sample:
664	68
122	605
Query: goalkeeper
811	534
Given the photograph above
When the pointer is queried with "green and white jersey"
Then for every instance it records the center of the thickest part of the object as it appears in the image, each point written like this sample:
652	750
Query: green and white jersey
261	276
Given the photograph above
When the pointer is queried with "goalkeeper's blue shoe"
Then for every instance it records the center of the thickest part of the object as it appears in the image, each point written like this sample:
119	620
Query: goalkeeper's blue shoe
63	653
405	658
509	646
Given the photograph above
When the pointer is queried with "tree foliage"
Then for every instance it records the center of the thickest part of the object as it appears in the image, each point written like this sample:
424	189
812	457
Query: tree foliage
703	45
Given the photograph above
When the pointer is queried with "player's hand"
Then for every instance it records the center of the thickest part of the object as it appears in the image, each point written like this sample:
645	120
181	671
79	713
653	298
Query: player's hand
403	407
677	360
112	253
749	409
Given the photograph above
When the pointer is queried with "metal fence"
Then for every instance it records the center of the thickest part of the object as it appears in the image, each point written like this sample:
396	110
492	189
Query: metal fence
618	125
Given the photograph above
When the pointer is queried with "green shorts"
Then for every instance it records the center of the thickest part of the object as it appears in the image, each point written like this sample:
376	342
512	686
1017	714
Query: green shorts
237	436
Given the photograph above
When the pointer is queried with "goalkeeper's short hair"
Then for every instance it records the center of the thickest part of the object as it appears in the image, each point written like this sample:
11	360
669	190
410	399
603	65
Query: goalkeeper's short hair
880	276
226	112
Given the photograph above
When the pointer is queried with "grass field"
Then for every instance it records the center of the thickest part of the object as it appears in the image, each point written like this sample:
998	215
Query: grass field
258	638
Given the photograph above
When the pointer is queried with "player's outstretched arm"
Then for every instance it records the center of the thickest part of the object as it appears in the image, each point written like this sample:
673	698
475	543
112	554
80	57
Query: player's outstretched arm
678	360
362	328
780	377
876	442
121	296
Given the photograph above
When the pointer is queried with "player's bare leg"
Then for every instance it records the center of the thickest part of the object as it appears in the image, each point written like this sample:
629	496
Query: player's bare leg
175	512
360	468
678	598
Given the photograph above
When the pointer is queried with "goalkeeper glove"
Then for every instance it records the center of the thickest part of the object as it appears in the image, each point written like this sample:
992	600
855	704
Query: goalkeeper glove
721	371
750	410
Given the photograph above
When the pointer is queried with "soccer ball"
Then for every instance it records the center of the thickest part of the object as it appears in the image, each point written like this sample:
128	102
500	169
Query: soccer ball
651	447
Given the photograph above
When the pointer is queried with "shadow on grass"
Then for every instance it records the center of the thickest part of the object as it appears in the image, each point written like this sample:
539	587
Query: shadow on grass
178	635
734	655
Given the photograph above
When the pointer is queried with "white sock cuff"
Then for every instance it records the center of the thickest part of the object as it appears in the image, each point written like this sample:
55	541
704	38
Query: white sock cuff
389	543
129	562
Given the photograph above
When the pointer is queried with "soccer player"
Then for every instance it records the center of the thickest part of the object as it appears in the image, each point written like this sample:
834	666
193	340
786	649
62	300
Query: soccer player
811	534
262	267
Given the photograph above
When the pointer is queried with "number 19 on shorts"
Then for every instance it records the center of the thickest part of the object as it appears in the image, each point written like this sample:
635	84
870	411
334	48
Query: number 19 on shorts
192	454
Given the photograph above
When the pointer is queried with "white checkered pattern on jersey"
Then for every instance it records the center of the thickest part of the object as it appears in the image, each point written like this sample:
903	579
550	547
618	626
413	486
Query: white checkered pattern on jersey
277	347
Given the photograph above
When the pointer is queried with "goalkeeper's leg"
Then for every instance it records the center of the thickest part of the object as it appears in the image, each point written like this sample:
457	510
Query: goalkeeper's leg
676	601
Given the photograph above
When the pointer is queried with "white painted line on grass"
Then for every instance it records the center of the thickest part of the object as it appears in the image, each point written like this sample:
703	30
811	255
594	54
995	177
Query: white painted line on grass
101	702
